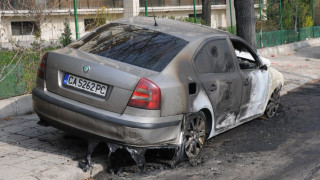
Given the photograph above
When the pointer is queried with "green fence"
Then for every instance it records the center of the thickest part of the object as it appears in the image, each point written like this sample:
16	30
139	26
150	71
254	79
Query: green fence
287	21
13	84
273	38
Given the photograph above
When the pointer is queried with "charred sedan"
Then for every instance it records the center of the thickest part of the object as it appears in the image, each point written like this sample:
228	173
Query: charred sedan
138	85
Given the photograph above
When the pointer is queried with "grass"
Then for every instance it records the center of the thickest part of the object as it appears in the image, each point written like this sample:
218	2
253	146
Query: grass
19	67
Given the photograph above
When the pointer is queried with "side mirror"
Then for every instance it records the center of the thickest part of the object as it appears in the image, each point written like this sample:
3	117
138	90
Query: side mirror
265	63
264	67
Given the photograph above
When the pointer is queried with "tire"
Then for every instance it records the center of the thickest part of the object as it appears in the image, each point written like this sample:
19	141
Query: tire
194	134
273	104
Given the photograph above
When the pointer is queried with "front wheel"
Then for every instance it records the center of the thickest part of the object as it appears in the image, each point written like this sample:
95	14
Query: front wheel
273	103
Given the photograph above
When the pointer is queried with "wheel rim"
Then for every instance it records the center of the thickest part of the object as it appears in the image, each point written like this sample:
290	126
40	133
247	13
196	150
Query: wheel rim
194	136
273	104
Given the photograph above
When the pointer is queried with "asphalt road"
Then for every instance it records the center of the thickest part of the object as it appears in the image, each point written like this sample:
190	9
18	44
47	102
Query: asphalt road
284	147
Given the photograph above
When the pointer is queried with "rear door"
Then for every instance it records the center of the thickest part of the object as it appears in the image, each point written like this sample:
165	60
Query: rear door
216	70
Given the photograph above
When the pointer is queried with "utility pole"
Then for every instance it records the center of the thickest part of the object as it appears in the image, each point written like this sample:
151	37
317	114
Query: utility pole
281	32
194	11
146	7
76	18
231	16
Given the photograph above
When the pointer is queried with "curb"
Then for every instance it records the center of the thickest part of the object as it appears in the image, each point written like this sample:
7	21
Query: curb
288	47
15	106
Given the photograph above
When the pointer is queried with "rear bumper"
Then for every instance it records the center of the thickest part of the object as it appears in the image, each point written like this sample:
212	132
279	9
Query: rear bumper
88	121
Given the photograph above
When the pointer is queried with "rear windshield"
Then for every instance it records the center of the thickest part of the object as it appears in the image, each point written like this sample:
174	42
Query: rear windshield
133	45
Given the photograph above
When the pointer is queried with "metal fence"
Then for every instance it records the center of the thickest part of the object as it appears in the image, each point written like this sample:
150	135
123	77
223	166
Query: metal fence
286	21
13	83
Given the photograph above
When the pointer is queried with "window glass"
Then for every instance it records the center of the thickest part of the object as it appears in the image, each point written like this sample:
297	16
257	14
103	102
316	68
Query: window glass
23	28
244	57
202	62
133	45
220	55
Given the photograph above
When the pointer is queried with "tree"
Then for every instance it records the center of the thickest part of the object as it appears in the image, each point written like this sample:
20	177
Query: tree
65	38
206	11
246	26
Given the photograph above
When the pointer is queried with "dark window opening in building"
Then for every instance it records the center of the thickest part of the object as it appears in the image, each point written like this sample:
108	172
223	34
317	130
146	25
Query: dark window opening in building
24	28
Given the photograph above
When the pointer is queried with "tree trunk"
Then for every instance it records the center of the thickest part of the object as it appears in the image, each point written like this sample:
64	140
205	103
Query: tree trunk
246	24
206	11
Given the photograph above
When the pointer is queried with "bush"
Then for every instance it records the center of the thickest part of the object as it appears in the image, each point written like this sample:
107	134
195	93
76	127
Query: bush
65	38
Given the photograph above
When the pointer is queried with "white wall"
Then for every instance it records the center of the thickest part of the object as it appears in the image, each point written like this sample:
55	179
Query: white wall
52	26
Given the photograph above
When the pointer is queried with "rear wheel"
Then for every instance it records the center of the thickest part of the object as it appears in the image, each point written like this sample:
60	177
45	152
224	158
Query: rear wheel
194	134
273	103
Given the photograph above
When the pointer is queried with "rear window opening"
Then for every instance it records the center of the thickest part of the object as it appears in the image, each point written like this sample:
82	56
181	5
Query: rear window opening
133	45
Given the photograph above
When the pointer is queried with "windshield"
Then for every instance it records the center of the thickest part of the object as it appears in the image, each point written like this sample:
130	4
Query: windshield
133	45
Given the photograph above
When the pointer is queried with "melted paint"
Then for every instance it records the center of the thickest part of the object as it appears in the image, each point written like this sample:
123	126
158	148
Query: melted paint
258	96
229	120
200	102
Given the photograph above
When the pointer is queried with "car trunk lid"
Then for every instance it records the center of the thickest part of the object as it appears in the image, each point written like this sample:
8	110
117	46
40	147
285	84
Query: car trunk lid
119	78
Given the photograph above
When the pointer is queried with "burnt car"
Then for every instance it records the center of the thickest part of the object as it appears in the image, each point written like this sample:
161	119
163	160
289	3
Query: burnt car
139	84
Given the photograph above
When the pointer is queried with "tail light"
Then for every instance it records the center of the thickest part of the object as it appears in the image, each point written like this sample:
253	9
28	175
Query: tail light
146	95
42	67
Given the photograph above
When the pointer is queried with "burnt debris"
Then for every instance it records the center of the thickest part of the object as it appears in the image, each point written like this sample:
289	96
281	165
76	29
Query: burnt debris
136	153
92	144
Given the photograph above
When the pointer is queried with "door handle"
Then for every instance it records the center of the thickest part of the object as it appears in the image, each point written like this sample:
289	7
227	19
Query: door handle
212	87
246	82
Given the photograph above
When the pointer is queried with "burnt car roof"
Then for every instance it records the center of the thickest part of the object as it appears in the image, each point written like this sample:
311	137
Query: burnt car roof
184	30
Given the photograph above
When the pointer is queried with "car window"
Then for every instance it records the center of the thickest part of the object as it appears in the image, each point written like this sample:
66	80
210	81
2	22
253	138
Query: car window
220	55
245	57
214	57
203	63
133	45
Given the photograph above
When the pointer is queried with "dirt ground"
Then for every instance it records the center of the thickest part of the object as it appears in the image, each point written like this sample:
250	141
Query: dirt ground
284	147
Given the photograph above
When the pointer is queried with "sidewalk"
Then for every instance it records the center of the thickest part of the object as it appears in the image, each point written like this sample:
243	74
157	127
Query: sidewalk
29	151
298	67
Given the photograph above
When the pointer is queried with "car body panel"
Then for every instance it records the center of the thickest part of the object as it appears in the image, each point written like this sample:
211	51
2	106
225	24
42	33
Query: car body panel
223	89
102	70
119	128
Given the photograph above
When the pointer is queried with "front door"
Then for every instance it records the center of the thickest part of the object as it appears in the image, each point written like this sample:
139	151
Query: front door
216	70
254	79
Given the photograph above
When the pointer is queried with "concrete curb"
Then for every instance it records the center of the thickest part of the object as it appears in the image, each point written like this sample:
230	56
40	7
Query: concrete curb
14	106
288	47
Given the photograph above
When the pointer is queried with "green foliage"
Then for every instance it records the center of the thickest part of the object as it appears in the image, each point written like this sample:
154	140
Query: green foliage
293	11
308	22
234	28
191	19
306	14
288	15
65	38
20	65
101	17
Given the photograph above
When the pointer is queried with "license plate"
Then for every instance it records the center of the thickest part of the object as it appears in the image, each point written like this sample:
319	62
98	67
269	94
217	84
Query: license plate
85	84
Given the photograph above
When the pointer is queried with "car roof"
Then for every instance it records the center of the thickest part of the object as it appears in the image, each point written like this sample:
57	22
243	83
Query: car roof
184	30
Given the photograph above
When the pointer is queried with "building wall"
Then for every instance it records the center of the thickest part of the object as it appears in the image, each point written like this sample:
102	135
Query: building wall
52	24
